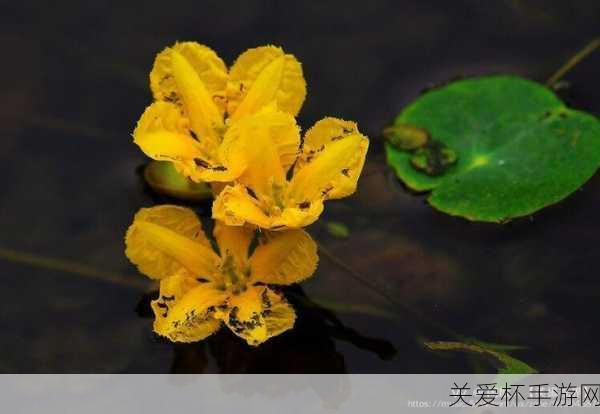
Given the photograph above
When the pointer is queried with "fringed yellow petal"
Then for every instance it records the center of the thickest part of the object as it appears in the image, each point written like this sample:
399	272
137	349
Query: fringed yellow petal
304	214
331	162
195	86
263	146
234	241
321	134
213	173
235	207
206	63
205	118
184	311
163	134
286	257
263	75
258	314
166	240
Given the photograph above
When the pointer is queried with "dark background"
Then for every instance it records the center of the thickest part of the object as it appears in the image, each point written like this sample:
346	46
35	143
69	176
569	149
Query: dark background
74	83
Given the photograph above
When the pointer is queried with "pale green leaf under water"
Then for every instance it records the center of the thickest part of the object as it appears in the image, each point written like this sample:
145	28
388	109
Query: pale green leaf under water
337	229
163	178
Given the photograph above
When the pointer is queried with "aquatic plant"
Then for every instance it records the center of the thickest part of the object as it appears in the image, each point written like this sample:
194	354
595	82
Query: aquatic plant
280	190
197	102
238	127
201	288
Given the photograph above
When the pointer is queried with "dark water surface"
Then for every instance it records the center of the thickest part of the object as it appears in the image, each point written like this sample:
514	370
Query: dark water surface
75	82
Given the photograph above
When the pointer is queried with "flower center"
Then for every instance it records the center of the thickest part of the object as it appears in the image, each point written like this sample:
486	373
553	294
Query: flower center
233	279
273	202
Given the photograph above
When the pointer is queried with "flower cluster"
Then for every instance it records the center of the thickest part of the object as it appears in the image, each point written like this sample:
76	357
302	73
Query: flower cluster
236	129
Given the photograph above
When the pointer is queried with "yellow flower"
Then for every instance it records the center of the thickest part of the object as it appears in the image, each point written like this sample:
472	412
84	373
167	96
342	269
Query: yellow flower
197	102
200	288
283	184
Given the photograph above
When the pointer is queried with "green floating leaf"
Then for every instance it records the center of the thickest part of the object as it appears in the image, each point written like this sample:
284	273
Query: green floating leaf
337	229
163	178
518	148
504	362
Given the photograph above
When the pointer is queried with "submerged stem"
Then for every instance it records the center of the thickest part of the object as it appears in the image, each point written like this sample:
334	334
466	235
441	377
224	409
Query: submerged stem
374	288
573	61
67	266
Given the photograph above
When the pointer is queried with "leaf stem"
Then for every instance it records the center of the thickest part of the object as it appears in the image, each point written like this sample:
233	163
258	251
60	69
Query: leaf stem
573	61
